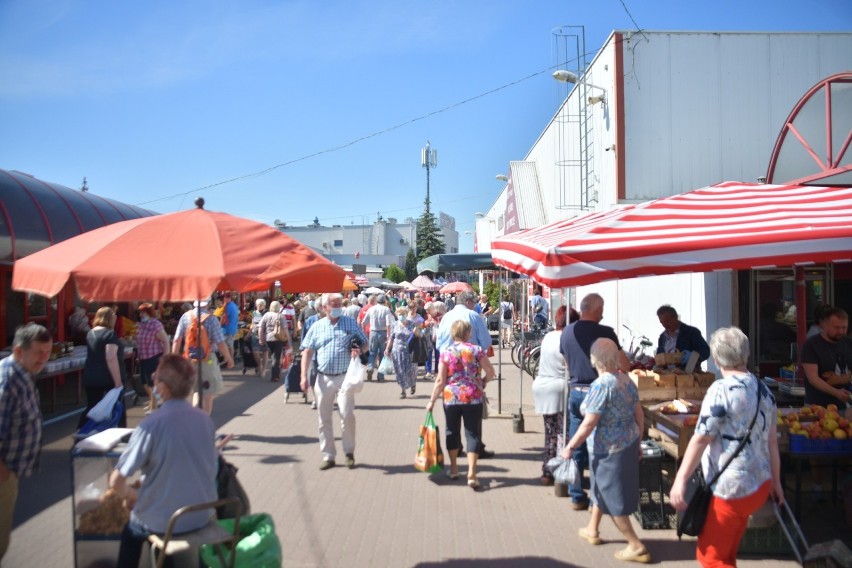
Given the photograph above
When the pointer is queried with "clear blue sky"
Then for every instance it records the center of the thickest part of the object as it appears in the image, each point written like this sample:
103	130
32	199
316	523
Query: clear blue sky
153	100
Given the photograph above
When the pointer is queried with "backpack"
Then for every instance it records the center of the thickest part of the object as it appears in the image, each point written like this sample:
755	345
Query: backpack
507	311
191	348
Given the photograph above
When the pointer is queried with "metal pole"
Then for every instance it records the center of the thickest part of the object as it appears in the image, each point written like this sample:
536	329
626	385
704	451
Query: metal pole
198	381
518	419
500	344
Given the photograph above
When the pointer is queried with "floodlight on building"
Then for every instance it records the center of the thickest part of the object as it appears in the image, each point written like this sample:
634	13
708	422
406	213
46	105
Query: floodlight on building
566	76
501	177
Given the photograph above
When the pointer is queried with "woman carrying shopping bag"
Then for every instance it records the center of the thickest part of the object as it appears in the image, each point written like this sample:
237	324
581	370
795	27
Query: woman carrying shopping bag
463	372
402	334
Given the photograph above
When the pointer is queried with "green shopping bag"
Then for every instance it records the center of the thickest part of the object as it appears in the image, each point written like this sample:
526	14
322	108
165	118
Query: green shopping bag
258	546
430	458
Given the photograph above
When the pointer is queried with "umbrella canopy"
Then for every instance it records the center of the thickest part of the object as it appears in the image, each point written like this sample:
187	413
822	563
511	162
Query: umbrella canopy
456	261
455	287
374	290
726	226
349	285
408	286
175	257
425	283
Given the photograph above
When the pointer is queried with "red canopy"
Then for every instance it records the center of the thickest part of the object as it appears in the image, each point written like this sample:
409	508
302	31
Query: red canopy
425	283
174	257
726	226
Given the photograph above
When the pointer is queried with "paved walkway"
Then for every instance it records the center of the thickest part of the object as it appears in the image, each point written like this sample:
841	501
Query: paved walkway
384	512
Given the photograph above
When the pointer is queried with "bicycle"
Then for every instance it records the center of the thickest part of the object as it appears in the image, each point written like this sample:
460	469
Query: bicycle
529	340
636	352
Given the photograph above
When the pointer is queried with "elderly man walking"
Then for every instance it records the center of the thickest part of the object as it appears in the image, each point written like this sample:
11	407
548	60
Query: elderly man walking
332	340
576	345
379	320
20	417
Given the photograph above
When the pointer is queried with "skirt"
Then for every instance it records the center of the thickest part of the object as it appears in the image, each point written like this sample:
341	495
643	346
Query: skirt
615	481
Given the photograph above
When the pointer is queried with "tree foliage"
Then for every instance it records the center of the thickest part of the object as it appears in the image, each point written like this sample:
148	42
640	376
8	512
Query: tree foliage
394	272
410	266
428	235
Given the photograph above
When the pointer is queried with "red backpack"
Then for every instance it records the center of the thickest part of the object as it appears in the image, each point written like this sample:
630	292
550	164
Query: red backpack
191	347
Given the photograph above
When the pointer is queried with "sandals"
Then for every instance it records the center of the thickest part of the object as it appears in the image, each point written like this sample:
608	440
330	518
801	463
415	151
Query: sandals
627	555
589	536
453	476
473	483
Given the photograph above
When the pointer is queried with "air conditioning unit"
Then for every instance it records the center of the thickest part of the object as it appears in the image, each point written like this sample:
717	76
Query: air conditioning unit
402	241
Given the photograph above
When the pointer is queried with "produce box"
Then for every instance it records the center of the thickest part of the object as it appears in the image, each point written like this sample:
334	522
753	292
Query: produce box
656	394
765	540
704	379
644	379
685	381
802	445
692	393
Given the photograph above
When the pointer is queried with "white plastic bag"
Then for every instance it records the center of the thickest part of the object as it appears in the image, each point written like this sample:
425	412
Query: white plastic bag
386	366
354	379
565	472
103	410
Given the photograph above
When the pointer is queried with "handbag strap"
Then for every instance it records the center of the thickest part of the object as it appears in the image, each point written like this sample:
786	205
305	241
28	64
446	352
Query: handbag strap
742	442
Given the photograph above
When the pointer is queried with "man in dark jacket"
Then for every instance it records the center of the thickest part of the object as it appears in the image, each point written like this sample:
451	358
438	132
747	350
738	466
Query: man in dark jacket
677	336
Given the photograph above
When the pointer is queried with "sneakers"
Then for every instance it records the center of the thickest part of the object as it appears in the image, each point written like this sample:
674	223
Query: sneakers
402	394
350	461
314	405
369	375
326	464
413	389
580	505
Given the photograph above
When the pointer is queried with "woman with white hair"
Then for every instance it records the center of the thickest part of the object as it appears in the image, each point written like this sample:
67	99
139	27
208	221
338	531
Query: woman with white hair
612	428
730	405
273	322
261	355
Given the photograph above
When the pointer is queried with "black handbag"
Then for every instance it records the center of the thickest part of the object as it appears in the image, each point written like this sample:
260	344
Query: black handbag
699	491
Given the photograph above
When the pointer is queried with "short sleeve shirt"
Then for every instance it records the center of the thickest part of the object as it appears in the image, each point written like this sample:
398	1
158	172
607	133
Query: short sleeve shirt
827	356
464	385
615	399
726	412
211	324
332	343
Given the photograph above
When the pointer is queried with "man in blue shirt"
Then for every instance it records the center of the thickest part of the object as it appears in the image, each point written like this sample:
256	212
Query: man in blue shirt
575	345
331	338
20	417
174	449
229	321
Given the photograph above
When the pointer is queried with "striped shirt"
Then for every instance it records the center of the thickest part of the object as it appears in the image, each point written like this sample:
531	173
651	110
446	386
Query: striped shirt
332	342
20	418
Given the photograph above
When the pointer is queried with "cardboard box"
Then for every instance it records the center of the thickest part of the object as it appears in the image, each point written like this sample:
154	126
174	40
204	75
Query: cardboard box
704	379
644	379
657	394
691	393
685	381
668	380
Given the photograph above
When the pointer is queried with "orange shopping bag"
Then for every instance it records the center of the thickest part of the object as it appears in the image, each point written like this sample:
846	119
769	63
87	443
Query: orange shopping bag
430	458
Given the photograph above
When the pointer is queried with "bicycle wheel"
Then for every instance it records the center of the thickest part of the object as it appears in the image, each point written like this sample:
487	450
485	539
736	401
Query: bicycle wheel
516	354
531	361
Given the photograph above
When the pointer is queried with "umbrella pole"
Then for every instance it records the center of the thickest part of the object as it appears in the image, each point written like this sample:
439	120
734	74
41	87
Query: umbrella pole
500	344
200	362
518	419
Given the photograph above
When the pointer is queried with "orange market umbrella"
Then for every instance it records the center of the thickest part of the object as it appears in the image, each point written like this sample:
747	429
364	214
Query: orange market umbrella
455	287
348	285
176	257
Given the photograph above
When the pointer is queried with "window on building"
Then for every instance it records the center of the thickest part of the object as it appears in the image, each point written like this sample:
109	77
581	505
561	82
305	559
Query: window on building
338	242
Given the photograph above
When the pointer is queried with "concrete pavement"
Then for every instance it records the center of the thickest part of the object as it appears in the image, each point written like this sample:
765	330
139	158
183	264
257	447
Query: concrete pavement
382	513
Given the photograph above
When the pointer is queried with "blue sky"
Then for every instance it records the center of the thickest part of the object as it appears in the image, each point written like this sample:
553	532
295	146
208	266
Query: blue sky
152	101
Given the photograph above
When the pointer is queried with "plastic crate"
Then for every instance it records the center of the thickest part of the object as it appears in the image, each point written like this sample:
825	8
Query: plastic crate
765	540
802	445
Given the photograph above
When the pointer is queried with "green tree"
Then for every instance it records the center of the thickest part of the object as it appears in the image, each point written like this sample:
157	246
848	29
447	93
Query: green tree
394	272
428	235
410	266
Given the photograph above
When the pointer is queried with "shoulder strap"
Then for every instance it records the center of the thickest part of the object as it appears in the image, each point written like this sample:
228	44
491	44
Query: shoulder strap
743	441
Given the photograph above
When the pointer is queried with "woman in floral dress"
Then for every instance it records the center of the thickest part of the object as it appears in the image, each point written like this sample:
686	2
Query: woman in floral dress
463	372
401	334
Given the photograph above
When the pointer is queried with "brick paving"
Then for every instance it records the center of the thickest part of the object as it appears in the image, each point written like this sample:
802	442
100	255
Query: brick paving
382	513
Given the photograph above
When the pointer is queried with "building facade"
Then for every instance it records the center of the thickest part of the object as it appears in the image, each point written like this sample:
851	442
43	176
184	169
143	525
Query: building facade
656	114
385	242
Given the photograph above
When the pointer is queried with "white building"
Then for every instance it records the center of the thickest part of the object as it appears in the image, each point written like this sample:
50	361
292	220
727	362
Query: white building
660	113
384	242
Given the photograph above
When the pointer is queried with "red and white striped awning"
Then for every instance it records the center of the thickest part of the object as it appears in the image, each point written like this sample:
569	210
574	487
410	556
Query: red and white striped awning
726	226
425	283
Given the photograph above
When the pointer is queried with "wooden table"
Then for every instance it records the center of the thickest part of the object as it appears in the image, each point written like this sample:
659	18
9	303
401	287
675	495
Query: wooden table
668	430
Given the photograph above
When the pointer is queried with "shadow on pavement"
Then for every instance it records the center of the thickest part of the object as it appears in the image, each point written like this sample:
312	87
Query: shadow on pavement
271	440
525	561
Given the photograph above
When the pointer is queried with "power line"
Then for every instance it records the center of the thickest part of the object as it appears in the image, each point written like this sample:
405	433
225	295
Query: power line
623	5
357	140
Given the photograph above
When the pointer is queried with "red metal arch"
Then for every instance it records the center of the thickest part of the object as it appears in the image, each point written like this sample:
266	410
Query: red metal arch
825	166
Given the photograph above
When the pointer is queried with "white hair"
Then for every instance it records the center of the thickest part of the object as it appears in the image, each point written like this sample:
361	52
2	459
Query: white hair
275	306
260	303
326	298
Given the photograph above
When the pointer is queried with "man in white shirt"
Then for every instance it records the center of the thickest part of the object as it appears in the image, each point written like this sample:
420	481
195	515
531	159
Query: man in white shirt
380	320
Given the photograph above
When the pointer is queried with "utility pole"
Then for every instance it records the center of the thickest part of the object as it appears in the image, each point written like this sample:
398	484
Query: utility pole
429	160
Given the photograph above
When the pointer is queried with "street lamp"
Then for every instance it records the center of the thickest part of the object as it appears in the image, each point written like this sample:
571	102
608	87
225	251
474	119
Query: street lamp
501	177
566	76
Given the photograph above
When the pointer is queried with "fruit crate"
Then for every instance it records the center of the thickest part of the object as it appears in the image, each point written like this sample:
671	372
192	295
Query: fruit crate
802	445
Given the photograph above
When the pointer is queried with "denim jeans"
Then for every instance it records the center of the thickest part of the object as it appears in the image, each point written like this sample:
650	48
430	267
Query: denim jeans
581	454
378	344
133	539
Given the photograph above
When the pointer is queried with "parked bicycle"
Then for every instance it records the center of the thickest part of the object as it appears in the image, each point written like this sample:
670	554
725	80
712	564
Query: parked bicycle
637	350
